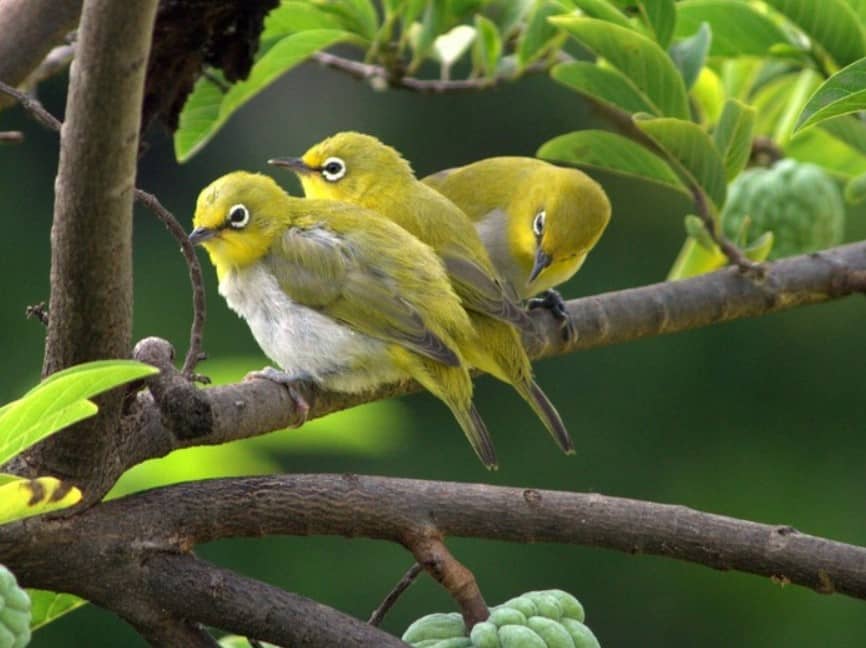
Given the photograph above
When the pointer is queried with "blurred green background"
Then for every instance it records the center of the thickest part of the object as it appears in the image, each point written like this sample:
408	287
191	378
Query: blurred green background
758	419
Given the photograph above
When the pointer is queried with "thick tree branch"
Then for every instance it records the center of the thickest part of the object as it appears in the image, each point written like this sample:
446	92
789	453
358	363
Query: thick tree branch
149	526
30	29
223	599
91	236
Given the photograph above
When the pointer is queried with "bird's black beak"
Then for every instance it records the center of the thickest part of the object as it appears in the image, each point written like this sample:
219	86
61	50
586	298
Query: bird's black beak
542	260
294	164
201	234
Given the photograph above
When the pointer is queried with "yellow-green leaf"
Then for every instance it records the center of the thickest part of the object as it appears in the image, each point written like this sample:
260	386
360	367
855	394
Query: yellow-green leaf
733	136
738	28
833	24
47	606
603	84
841	94
24	498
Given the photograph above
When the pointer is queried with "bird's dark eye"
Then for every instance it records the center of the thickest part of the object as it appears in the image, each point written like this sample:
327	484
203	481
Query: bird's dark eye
333	169
538	224
239	216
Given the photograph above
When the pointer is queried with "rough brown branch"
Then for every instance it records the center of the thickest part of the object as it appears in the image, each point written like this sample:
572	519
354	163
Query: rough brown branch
146	526
91	235
30	29
368	72
11	137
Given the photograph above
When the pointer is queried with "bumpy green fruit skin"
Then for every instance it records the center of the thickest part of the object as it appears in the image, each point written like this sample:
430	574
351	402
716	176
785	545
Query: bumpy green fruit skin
14	612
797	201
544	619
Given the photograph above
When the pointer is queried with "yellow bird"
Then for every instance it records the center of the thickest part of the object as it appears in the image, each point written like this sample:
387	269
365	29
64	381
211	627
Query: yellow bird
360	169
537	221
337	295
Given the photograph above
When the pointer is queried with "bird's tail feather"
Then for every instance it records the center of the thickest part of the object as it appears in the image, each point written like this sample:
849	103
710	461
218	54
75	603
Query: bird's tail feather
545	410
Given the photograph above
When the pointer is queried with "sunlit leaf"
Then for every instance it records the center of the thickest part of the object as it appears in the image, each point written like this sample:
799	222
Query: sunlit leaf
24	498
855	189
291	17
841	94
61	400
610	152
733	136
603	84
694	151
690	53
708	95
661	17
450	46
694	259
539	33
602	10
47	606
208	107
738	28
487	50
837	156
832	23
806	82
357	16
636	56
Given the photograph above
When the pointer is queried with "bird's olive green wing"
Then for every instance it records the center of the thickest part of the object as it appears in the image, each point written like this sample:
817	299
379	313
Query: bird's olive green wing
481	291
321	269
435	180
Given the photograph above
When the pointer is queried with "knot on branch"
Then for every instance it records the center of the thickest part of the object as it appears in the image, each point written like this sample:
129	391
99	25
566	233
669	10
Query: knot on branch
185	410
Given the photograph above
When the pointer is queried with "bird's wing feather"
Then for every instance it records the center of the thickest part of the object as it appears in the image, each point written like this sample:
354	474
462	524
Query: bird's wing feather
322	269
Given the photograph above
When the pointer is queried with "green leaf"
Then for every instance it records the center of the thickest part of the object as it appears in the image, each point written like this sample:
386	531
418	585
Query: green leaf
694	259
357	16
47	606
855	190
738	28
661	17
807	81
24	498
539	33
207	109
837	156
841	94
292	17
834	25
603	84
432	24
708	96
488	46
693	151
733	136
637	57
611	152
602	10
849	129
690	54
513	14
60	400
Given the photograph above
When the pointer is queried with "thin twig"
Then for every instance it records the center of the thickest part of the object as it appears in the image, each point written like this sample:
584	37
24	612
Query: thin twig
735	255
403	584
199	308
194	354
366	71
11	137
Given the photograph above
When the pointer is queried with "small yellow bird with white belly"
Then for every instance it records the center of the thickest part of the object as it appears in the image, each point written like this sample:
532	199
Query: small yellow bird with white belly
337	295
360	169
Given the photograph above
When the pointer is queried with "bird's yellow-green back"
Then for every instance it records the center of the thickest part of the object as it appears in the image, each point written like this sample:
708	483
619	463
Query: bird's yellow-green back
535	219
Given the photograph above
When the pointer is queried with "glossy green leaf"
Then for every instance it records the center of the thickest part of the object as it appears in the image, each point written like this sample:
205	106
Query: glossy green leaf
208	108
738	77
733	136
708	95
855	190
291	17
47	606
693	151
694	259
23	498
539	33
610	152
661	17
849	129
690	53
837	156
738	28
61	400
833	24
602	10
432	24
637	57
841	94
603	84
357	16
806	83
770	101
487	50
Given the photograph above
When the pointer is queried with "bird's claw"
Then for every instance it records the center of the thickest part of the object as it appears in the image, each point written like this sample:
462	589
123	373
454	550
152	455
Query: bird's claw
552	301
294	384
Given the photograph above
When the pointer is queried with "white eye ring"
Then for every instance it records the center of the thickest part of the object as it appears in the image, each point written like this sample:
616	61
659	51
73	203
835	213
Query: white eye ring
333	169
238	216
538	223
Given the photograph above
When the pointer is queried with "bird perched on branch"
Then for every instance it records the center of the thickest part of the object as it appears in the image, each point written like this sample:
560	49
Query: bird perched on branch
337	295
538	221
360	169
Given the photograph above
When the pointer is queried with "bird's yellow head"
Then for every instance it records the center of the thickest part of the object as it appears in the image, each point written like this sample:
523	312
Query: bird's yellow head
237	217
348	166
556	223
